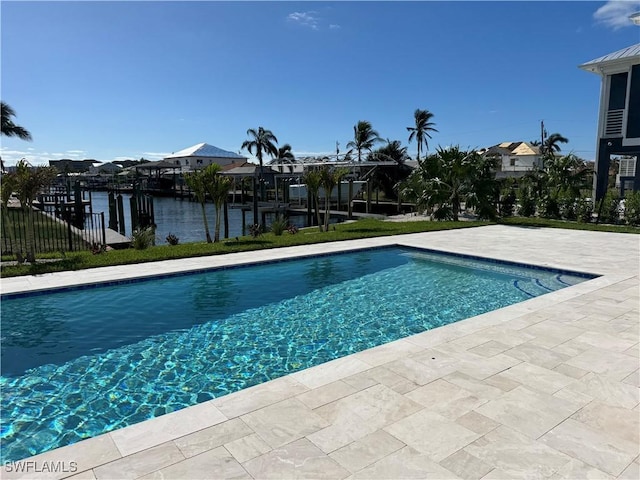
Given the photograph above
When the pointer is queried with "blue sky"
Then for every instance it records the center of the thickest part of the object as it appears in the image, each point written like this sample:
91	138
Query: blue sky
124	80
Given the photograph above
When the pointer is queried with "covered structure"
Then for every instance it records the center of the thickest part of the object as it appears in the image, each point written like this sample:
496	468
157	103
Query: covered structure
200	155
618	119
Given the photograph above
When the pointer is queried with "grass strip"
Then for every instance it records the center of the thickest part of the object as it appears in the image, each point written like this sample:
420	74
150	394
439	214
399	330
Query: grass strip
364	228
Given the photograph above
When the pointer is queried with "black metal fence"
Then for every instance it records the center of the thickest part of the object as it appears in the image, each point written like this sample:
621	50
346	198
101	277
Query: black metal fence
50	233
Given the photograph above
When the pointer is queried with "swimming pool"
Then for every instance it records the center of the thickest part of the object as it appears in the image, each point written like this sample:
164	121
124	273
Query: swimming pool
81	362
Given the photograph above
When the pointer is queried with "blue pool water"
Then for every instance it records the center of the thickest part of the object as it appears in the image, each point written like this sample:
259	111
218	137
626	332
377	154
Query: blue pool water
81	362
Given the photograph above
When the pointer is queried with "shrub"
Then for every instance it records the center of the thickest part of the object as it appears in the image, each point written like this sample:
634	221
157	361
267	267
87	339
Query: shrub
279	225
548	207
255	230
584	210
568	206
143	238
508	203
609	211
527	202
632	208
172	239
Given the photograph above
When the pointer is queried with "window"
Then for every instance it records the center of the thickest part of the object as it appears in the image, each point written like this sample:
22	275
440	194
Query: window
199	161
617	91
512	162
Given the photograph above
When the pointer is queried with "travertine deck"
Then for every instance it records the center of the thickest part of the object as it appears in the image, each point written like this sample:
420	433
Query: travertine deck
548	388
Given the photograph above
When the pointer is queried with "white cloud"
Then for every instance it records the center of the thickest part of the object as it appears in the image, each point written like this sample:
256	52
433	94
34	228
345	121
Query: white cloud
306	19
615	14
333	26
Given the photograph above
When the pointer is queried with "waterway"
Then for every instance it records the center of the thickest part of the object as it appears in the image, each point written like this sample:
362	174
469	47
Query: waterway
177	216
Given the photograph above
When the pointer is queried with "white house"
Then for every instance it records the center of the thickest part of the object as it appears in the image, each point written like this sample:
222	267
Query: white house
201	155
619	117
516	158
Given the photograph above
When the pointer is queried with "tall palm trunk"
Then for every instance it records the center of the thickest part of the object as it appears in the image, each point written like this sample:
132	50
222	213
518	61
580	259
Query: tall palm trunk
206	222
30	238
216	232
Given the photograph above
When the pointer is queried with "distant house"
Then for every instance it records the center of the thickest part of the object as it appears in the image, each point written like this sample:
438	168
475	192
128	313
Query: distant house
73	166
201	155
619	118
515	158
108	168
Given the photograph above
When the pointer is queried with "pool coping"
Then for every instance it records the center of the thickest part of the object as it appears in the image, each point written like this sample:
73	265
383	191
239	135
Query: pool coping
103	449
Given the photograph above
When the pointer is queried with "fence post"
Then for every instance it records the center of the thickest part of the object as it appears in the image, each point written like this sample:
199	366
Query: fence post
69	232
121	225
104	233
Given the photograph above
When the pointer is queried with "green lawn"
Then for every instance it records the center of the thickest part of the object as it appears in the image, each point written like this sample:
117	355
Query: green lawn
346	231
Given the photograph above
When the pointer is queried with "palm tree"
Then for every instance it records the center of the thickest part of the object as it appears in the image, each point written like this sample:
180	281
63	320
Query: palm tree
421	129
312	179
263	141
551	144
197	183
9	128
217	187
283	156
388	176
364	138
329	178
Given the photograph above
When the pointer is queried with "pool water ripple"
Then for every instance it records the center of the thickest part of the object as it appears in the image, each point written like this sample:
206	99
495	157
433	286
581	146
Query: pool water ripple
230	346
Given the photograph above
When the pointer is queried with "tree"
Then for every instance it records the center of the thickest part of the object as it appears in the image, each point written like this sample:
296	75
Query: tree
421	130
9	128
197	182
263	141
444	180
29	181
283	156
217	187
364	138
313	179
387	177
329	178
551	144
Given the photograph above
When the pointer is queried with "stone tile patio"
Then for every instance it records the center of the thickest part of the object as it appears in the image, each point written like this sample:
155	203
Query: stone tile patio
548	388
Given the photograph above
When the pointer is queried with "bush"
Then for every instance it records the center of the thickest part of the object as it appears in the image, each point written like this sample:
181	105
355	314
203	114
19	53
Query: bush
255	230
568	206
527	202
609	210
508	203
172	239
584	210
549	207
632	208
279	225
143	238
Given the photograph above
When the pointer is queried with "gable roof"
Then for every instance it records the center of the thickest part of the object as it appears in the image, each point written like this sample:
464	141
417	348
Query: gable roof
623	55
205	150
513	148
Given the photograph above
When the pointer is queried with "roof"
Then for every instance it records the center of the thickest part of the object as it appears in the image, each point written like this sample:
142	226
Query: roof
205	150
513	148
625	55
156	165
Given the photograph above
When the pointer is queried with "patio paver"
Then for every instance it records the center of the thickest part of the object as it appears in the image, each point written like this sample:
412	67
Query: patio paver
544	389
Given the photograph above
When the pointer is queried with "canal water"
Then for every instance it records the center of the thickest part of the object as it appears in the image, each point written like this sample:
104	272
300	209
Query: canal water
178	216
